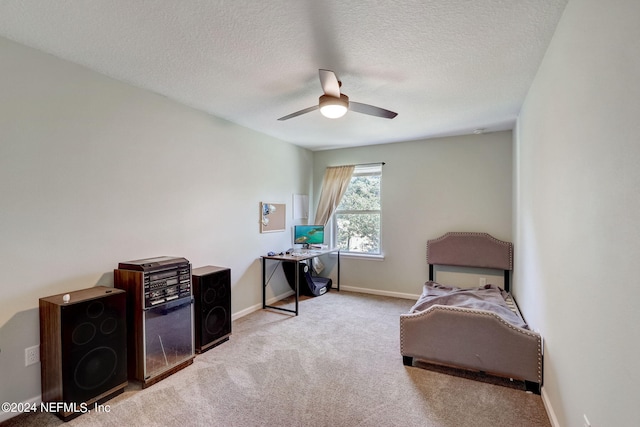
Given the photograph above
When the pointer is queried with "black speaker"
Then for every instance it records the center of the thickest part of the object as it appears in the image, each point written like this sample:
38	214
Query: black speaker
83	347
212	295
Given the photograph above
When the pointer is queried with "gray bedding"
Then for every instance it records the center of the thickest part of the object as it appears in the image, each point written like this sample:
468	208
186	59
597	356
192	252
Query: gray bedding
490	298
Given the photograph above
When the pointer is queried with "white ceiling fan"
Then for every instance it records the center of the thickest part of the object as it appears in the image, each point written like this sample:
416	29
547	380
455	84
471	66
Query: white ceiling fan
333	104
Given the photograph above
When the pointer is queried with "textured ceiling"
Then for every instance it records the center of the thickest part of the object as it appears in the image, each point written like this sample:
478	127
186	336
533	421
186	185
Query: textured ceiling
446	67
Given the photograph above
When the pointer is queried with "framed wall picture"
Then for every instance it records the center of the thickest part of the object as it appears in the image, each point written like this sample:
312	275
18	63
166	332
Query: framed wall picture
272	217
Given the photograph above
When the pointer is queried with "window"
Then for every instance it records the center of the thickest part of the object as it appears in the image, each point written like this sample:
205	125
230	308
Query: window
357	218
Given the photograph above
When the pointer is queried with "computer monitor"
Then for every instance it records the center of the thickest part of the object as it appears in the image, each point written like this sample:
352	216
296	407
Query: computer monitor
308	235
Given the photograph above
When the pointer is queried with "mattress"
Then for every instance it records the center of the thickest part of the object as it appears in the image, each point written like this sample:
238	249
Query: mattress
490	298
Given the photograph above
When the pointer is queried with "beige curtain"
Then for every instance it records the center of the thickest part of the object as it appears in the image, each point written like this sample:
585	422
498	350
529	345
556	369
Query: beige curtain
334	184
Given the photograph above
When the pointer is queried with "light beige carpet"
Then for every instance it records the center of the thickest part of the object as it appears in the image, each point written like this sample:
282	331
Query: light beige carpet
336	364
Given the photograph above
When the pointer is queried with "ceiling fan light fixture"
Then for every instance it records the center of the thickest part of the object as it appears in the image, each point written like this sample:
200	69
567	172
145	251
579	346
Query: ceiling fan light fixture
332	107
333	104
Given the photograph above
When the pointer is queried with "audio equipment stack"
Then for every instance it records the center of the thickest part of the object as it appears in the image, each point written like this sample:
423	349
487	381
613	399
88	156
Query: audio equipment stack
212	294
159	316
83	348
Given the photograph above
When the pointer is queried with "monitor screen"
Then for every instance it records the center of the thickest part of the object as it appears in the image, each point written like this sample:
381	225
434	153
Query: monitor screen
308	234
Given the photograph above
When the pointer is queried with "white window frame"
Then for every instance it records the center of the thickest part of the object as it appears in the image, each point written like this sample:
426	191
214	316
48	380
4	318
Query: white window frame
361	170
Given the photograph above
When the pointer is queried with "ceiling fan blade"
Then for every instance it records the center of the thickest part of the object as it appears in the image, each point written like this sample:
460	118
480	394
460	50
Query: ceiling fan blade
299	113
371	110
329	82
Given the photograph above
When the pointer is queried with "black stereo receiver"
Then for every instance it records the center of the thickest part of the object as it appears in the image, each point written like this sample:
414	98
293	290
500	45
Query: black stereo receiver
165	279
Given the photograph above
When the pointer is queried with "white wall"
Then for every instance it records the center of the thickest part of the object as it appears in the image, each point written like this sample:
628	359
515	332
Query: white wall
576	229
94	172
429	187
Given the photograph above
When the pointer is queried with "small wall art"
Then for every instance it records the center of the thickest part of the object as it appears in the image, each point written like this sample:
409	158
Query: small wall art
272	217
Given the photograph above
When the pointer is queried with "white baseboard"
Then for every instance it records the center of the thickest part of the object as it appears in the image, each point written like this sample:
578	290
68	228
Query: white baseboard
378	292
256	307
547	406
4	416
246	311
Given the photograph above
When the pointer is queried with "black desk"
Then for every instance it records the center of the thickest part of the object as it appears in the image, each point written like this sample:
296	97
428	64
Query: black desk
297	257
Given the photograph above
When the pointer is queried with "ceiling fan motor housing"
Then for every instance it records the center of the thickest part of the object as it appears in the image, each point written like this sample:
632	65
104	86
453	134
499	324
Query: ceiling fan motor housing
333	107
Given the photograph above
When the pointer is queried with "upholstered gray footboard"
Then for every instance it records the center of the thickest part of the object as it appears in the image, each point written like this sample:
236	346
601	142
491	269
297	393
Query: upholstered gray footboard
472	339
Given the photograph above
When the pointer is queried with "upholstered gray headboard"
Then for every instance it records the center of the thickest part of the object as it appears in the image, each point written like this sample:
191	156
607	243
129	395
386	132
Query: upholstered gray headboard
466	249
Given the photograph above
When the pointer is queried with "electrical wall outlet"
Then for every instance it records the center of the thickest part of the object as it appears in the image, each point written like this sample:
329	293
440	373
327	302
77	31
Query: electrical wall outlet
31	355
483	281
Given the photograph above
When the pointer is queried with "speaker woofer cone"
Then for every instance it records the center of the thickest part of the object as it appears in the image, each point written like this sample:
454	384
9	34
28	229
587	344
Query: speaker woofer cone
95	368
215	320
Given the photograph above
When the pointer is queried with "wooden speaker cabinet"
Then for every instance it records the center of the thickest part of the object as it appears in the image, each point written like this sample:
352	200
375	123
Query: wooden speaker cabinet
83	348
212	294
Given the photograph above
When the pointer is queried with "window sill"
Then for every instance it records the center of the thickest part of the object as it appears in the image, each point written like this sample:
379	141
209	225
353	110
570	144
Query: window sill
354	255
